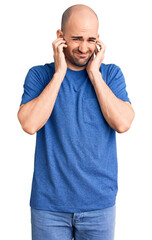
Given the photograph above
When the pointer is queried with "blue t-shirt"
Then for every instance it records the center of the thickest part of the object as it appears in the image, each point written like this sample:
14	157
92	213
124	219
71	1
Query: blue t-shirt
75	166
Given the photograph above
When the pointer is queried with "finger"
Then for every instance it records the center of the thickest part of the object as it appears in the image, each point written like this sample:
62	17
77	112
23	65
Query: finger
100	42
58	41
56	44
101	45
92	57
61	46
96	50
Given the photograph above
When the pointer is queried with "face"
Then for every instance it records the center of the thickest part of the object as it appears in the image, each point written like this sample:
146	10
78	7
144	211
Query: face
80	35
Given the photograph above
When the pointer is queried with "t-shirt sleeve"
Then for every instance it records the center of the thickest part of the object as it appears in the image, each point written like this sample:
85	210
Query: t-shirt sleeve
116	83
33	85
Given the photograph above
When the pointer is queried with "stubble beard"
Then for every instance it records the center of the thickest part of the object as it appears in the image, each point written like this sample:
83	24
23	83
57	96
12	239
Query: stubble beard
75	61
78	63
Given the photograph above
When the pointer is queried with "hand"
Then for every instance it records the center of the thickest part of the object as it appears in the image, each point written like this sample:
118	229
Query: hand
59	57
95	61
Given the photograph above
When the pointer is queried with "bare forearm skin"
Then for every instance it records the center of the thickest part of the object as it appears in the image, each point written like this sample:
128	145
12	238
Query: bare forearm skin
35	113
118	114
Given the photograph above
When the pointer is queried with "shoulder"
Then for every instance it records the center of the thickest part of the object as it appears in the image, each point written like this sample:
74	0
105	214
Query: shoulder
108	71
43	69
42	72
109	68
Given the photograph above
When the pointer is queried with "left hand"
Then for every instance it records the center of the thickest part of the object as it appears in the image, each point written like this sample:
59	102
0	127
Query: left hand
95	61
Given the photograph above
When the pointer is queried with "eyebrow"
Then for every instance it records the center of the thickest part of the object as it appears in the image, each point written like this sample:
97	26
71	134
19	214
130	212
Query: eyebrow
80	37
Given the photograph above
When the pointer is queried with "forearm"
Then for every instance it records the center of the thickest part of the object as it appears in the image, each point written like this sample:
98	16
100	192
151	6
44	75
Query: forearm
35	113
117	113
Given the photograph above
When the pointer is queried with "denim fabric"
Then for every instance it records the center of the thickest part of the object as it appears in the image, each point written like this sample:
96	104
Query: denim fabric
93	225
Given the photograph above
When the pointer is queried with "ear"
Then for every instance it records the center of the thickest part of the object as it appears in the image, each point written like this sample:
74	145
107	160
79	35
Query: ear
59	33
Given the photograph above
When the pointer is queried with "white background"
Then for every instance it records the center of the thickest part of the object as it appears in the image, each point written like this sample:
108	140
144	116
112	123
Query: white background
28	29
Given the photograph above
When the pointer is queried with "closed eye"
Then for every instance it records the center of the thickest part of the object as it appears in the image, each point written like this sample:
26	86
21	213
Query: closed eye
91	40
76	39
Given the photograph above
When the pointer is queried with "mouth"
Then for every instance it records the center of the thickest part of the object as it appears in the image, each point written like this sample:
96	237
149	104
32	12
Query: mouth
82	55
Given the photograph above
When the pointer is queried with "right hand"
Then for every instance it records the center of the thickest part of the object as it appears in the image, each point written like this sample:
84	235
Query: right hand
59	57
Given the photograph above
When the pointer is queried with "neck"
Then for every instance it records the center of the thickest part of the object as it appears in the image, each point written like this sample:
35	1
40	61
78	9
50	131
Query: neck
74	67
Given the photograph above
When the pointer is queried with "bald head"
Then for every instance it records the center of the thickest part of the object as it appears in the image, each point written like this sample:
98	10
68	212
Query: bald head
77	10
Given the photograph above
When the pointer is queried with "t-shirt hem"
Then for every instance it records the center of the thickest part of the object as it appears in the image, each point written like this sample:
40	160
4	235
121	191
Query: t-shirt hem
58	208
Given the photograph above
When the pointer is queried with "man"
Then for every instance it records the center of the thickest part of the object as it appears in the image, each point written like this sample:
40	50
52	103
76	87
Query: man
75	104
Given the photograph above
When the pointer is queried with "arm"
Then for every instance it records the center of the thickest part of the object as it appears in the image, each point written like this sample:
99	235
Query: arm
118	114
34	114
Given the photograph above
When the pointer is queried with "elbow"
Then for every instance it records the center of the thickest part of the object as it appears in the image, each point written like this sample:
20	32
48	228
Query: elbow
124	127
28	130
25	126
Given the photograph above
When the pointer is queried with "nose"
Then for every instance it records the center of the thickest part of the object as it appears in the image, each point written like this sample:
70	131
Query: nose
83	47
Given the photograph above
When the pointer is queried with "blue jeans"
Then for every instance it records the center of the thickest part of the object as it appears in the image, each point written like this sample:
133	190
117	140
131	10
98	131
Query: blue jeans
93	225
